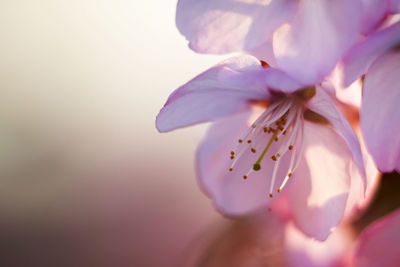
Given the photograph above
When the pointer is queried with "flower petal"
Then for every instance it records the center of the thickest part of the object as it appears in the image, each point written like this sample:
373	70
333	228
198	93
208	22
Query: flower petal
279	81
322	104
231	194
378	244
309	47
220	91
224	26
394	6
373	13
380	113
320	185
304	251
358	59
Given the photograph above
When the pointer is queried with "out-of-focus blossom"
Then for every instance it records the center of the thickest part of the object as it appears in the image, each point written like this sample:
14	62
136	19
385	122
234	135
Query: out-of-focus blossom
378	58
300	137
378	244
304	38
224	26
301	250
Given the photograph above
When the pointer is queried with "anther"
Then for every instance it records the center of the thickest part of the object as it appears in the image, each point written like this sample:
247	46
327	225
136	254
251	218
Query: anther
248	141
253	150
265	129
253	126
284	132
289	174
273	158
232	157
245	177
279	190
240	140
271	195
230	169
232	153
278	155
276	138
290	147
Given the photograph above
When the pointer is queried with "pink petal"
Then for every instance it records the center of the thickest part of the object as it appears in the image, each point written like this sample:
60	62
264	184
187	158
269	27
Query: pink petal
380	113
322	104
360	57
220	91
231	194
320	186
373	13
304	251
394	6
279	81
224	26
359	199
378	244
309	47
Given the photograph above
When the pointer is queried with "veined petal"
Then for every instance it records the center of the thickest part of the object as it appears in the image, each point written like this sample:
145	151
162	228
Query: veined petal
322	104
380	113
378	244
224	26
321	31
220	91
361	56
320	185
231	194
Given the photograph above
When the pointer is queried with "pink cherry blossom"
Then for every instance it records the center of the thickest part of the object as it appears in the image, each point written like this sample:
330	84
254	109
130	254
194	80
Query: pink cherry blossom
379	114
304	38
297	139
378	244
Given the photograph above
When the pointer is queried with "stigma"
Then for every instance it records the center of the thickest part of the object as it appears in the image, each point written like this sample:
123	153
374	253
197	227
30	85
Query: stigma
275	136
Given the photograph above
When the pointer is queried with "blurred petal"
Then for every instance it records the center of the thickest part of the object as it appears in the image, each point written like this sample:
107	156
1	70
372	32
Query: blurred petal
224	26
378	244
320	185
304	251
309	47
322	104
361	56
232	195
373	13
394	6
380	113
220	91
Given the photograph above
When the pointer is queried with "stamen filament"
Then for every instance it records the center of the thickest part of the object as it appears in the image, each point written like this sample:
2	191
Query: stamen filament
257	165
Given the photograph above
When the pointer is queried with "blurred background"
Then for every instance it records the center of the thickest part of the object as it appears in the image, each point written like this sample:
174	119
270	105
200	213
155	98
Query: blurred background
85	178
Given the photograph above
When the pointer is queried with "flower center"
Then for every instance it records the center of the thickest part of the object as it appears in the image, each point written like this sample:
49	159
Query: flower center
281	123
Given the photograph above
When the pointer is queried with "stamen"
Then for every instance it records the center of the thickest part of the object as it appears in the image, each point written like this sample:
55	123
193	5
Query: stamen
256	165
253	150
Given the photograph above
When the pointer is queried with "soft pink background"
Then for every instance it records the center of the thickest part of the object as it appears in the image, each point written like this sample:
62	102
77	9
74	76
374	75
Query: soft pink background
85	178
